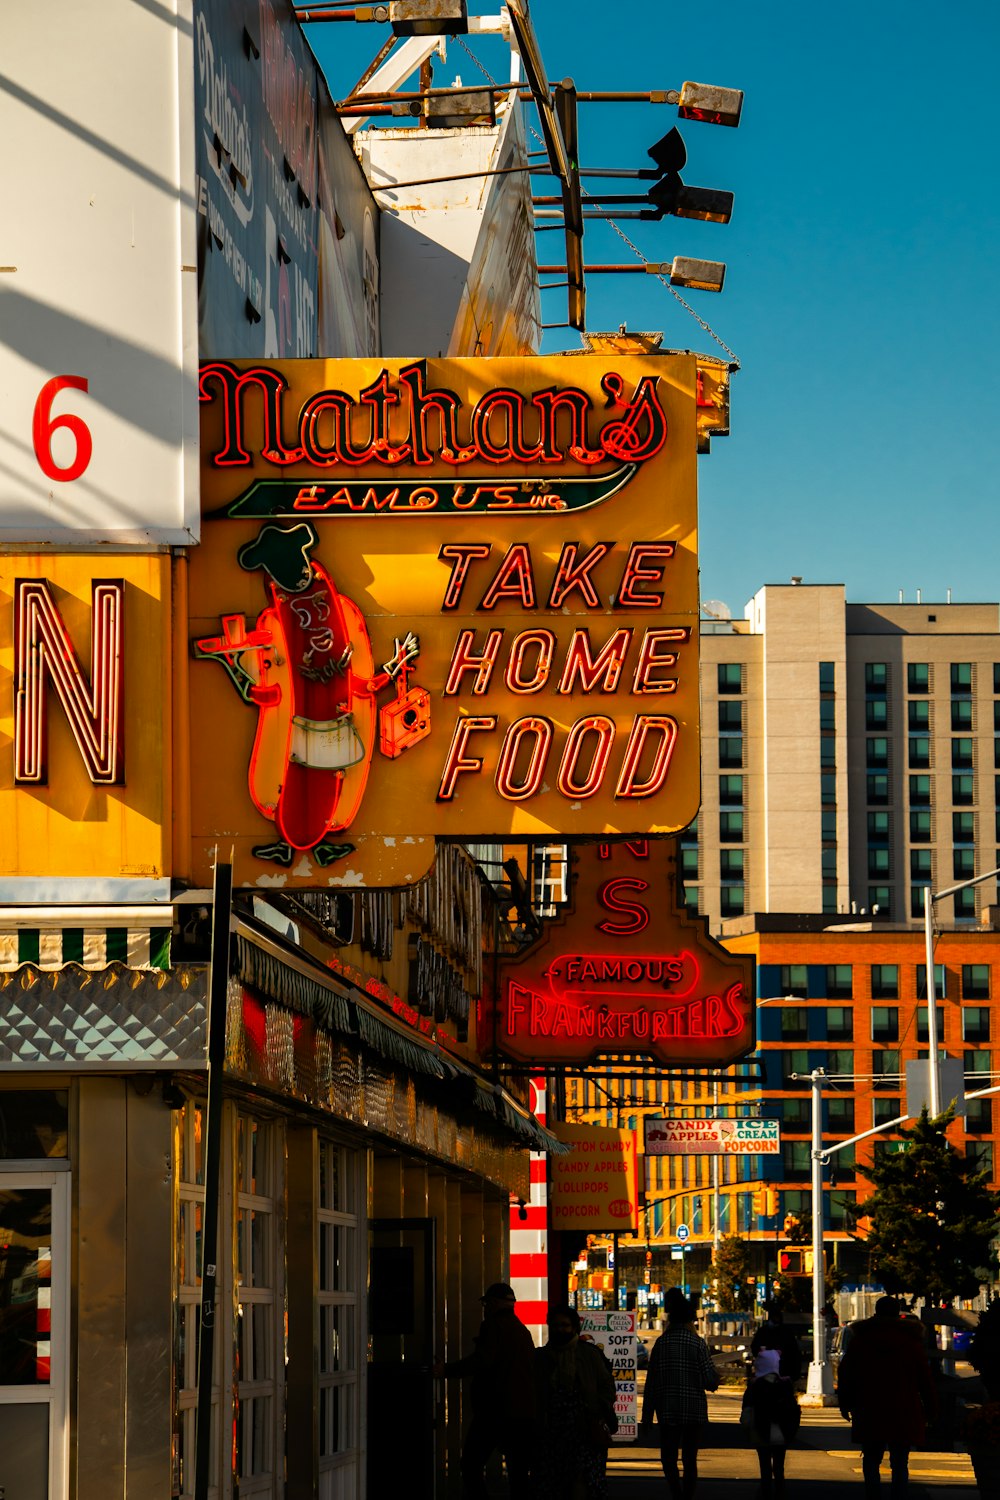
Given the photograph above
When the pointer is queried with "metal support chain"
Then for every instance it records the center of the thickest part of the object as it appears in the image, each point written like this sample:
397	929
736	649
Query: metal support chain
734	360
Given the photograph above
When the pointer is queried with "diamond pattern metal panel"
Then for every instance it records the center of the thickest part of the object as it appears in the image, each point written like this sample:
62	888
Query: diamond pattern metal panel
112	1016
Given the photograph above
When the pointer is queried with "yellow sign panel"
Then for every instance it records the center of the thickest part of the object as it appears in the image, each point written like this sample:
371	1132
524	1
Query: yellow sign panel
596	1185
443	597
85	719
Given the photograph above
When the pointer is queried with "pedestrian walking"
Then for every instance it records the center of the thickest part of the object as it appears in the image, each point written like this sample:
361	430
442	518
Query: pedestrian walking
771	1416
772	1334
886	1391
680	1372
575	1405
501	1373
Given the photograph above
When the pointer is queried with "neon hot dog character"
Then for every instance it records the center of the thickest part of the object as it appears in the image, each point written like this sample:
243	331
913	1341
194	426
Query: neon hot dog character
309	668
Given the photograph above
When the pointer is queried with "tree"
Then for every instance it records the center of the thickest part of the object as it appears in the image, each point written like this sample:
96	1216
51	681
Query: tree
932	1216
733	1291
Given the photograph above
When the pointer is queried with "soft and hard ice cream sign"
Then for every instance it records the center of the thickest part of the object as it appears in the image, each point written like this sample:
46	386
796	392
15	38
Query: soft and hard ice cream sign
441	597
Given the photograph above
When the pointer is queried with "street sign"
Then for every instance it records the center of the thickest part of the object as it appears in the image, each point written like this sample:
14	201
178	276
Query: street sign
683	1233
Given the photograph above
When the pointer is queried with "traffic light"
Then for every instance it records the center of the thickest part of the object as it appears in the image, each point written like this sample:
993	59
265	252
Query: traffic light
759	1200
790	1262
669	195
771	1203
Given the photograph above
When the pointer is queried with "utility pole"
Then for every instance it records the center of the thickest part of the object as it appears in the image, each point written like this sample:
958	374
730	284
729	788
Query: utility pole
819	1381
930	898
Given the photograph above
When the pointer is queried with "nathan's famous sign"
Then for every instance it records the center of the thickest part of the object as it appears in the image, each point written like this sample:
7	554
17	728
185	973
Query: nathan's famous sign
625	970
451	597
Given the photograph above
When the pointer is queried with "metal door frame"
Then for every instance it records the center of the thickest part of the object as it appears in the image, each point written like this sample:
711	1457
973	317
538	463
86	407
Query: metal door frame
56	1394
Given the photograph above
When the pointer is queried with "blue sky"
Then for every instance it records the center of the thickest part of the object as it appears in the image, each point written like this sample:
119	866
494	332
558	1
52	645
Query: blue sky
861	295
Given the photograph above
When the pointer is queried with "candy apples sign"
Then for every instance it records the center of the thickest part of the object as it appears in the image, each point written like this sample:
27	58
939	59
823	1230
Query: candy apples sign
453	597
625	971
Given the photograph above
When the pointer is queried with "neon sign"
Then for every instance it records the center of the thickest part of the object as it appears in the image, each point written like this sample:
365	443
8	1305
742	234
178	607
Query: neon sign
607	978
538	676
43	651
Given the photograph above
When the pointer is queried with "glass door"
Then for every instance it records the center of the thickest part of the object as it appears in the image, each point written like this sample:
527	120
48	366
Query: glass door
34	1331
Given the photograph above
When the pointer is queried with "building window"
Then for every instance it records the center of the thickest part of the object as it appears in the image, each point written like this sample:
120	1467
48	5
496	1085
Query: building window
920	791
878	863
828	715
884	1110
840	1117
923	1025
885	981
828	827
795	1114
920	864
981	1152
794	1023
730	751
965	905
963	791
975	1023
689	863
796	1160
940	981
963	828
794	979
877	753
839	1023
731	791
828	749
839	1062
996	717
876	676
996	676
975	981
827	678
839	981
878	828
976	1065
885	1023
885	1067
690	898
732	900
920	827
730	717
878	790
917	677
880	899
338	1308
828	863
918	716
794	1061
828	789
961	679
876	713
918	750
963	863
829	898
731	827
961	715
730	677
961	754
917	895
732	864
979	1116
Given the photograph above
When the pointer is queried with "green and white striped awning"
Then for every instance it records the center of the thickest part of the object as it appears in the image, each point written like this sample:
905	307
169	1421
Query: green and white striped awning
93	937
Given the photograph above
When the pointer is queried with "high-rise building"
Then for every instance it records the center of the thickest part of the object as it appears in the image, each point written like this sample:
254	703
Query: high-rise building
850	758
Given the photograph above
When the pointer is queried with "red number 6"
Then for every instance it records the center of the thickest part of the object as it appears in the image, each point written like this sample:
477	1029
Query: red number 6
43	425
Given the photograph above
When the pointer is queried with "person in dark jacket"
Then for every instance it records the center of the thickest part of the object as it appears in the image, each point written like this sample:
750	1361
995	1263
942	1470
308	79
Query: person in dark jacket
501	1371
575	1402
773	1334
886	1391
680	1372
771	1414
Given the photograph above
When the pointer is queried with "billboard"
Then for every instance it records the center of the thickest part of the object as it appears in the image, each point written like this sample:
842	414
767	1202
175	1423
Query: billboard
451	597
726	1136
84	784
98	359
595	1186
287	228
624	971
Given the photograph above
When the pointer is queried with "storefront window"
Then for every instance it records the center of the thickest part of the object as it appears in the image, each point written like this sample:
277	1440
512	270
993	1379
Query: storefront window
339	1311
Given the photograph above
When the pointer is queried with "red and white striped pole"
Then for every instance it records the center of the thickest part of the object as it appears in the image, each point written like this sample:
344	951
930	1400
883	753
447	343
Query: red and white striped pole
529	1231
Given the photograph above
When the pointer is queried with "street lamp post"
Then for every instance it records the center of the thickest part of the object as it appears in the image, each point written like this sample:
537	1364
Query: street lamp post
819	1381
930	898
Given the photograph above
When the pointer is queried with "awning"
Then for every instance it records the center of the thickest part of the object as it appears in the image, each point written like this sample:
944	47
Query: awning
280	973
